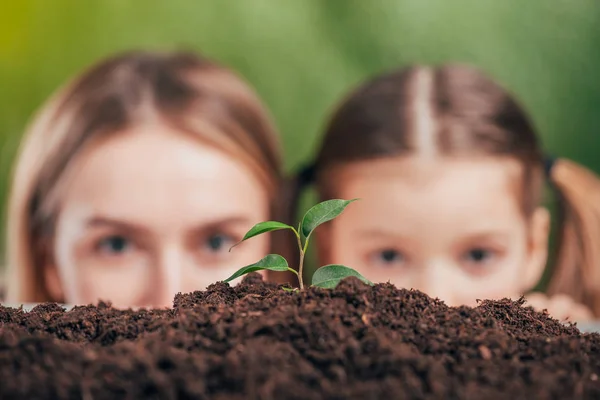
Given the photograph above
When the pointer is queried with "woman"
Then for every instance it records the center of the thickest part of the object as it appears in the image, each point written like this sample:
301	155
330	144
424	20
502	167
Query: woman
135	179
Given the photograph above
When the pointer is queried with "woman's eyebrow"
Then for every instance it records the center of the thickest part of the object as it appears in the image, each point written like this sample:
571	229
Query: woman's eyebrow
100	221
208	225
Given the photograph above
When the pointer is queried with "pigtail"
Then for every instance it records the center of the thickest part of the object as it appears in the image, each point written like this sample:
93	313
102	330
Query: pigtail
576	270
289	202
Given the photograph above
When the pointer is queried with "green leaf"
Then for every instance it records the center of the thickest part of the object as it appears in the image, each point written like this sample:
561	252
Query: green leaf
329	276
272	262
321	213
263	227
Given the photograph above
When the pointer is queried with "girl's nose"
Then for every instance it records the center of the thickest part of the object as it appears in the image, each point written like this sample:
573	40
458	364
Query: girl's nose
168	278
436	281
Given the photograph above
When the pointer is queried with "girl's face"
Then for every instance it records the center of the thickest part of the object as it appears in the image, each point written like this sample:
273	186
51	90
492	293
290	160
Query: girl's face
152	212
451	228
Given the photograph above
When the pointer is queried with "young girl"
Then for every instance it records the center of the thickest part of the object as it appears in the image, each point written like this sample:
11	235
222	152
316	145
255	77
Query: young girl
450	173
135	179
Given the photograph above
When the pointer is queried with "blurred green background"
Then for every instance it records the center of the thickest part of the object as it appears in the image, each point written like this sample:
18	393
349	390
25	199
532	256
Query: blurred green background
303	55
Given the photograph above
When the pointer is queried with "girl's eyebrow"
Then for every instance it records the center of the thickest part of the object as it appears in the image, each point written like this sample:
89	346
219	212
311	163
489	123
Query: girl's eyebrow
370	232
486	235
378	233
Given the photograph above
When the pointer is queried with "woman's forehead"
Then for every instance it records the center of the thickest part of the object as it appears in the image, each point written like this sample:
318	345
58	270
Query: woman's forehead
162	174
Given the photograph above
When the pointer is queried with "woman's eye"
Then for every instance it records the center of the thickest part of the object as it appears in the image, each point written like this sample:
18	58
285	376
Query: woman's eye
114	245
219	242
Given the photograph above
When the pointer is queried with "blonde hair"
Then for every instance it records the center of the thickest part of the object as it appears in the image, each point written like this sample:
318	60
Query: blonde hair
190	93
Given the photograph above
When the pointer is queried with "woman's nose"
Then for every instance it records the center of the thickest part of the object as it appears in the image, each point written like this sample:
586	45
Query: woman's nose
168	278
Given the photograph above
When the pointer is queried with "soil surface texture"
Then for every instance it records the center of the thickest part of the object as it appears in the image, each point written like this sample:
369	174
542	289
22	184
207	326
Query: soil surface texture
257	341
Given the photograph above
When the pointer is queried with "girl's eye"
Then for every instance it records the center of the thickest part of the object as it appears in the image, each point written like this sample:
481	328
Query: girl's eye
478	255
219	242
114	245
388	256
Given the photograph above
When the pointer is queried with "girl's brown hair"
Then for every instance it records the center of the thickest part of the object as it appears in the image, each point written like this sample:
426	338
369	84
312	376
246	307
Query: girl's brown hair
472	115
190	93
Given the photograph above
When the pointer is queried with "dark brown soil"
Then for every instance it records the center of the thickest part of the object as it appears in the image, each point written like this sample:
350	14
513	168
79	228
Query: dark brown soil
258	341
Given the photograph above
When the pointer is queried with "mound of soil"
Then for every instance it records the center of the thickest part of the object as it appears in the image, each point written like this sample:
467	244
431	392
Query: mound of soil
258	341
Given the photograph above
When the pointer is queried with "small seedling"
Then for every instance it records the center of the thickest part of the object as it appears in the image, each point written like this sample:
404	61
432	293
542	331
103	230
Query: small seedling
327	276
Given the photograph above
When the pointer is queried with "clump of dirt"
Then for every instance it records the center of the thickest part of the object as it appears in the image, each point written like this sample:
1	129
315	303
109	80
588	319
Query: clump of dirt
257	341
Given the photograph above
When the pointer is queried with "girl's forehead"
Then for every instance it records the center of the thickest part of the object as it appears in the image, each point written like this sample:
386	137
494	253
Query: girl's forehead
425	170
484	187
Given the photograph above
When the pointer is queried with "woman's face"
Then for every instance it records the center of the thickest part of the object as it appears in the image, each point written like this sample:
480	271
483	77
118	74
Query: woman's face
451	228
152	212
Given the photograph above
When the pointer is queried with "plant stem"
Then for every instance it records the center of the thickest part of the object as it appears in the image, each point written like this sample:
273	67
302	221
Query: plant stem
300	270
306	244
300	281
